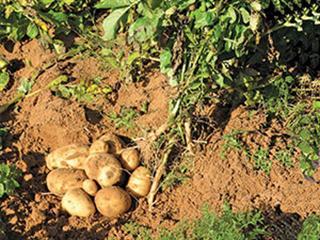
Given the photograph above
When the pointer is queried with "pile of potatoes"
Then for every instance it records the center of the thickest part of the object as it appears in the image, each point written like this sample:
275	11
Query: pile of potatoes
95	177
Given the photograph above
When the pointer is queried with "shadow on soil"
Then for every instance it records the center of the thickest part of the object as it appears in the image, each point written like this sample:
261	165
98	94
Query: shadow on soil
55	231
282	226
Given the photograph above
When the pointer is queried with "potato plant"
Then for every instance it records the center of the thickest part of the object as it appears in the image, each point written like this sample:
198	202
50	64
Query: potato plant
221	52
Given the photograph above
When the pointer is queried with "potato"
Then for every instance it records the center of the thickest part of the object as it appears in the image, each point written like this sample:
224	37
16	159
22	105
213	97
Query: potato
99	146
130	159
104	168
70	156
90	187
139	182
115	144
59	181
78	203
112	202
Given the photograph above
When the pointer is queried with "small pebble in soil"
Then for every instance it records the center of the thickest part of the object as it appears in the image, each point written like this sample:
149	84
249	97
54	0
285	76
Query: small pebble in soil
37	197
13	220
27	177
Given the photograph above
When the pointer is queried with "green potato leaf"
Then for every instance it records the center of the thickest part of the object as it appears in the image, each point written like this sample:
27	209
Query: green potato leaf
154	3
47	2
2	190
32	30
245	15
165	60
305	148
316	105
111	23
112	4
4	80
69	2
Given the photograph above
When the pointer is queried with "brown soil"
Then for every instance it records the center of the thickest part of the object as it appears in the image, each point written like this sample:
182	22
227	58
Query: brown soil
45	122
216	180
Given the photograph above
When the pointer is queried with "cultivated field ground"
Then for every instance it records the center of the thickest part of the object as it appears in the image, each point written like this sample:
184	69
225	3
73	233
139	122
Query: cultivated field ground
219	98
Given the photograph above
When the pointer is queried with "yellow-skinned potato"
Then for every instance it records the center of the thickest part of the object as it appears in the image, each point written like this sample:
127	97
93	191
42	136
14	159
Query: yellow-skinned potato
139	183
59	181
90	187
78	203
99	146
104	168
112	202
70	156
130	158
115	144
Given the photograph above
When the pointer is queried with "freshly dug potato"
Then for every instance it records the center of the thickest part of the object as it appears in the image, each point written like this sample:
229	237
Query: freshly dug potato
59	181
112	202
139	182
130	159
115	144
78	203
90	187
104	168
70	156
99	146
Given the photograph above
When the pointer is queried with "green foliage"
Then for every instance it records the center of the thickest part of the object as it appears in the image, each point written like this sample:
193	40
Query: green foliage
137	231
4	80
8	174
260	157
303	124
310	229
229	225
300	46
206	45
178	174
232	141
125	118
24	87
4	75
24	18
83	91
3	63
262	161
111	23
277	96
285	157
8	179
